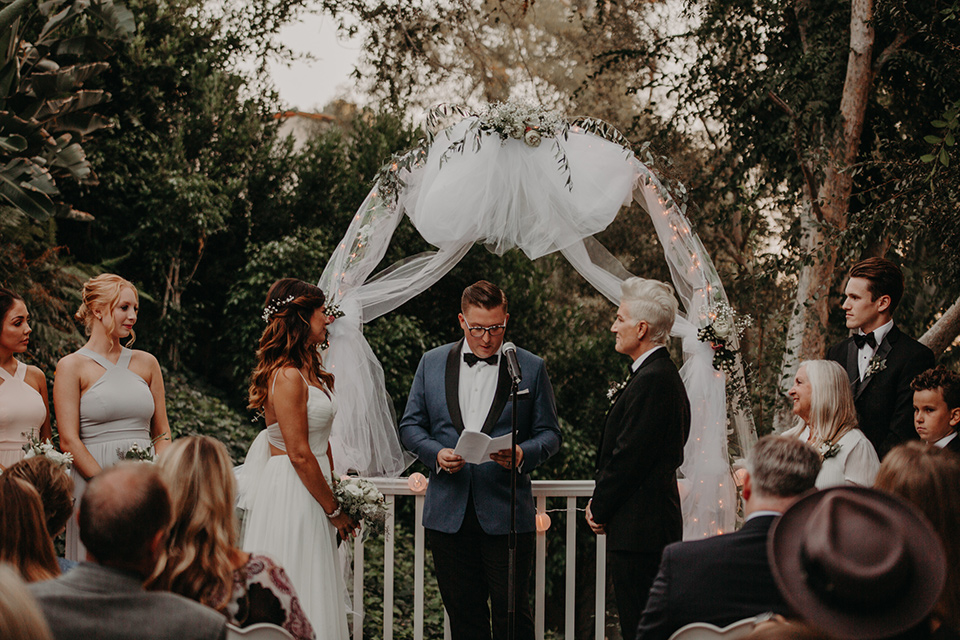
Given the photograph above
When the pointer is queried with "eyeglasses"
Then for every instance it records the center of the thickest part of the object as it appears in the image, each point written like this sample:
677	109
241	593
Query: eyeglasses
477	332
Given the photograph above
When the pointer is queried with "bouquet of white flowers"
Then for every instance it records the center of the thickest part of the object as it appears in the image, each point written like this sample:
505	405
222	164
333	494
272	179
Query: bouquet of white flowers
36	448
361	500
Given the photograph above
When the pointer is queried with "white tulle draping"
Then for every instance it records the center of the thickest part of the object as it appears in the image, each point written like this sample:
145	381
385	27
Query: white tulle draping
514	195
507	195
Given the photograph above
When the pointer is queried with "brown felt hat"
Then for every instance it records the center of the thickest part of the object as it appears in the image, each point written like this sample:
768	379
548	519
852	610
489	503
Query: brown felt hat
857	563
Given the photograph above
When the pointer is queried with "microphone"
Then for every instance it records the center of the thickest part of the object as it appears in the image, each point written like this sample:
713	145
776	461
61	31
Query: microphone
513	367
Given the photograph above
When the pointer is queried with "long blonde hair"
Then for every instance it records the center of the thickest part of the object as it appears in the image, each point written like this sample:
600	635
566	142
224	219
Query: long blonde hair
832	411
103	292
198	562
284	342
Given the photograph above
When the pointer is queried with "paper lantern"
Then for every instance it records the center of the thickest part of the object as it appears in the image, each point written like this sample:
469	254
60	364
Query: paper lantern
417	483
543	522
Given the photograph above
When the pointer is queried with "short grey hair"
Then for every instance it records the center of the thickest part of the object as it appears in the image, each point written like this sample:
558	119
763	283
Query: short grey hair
653	302
782	466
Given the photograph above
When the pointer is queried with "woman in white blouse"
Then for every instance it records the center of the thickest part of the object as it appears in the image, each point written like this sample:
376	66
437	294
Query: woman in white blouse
823	402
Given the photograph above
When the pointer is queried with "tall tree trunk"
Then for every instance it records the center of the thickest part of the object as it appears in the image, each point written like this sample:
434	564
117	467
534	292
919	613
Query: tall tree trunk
828	212
944	331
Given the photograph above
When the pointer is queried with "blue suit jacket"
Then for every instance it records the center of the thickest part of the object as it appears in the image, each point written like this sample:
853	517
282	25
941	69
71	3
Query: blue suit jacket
432	421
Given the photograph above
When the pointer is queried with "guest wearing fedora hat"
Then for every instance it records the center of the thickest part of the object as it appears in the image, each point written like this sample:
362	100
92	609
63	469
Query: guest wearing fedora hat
858	564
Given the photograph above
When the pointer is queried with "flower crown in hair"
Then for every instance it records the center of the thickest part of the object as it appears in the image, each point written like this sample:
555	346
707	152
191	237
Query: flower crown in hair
271	309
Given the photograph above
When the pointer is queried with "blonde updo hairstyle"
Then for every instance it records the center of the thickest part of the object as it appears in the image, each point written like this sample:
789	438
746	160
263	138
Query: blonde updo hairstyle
103	293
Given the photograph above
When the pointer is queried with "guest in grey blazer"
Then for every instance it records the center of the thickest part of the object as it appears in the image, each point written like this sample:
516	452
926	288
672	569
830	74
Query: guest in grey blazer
124	518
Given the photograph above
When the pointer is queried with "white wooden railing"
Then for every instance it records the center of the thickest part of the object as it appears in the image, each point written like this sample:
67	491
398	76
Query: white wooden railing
394	488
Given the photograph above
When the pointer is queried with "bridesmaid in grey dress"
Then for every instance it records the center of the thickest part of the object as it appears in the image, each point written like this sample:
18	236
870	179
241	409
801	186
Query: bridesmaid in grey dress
107	397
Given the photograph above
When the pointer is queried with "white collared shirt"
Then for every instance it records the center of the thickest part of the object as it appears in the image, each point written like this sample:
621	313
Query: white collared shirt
866	352
478	386
646	354
945	440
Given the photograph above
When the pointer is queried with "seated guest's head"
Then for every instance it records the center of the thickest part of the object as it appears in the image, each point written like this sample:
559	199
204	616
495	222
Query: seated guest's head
645	317
24	541
124	517
857	563
55	487
20	616
936	403
201	548
779	470
822	400
780	628
929	478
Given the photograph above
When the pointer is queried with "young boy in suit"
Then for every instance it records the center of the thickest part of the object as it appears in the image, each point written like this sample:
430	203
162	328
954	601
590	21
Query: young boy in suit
936	407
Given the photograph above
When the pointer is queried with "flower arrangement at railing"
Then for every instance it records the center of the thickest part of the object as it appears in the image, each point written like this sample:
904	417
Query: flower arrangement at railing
36	448
361	500
723	328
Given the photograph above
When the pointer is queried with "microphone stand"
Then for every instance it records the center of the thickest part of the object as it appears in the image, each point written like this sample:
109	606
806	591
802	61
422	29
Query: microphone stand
512	538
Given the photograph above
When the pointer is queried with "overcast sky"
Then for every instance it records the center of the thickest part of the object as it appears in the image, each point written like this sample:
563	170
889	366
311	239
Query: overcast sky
308	86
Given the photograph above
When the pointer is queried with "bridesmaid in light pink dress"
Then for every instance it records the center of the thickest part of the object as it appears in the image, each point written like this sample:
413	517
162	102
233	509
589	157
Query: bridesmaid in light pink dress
23	388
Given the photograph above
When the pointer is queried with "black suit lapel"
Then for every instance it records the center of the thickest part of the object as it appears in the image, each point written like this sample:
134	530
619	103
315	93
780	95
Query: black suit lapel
659	353
499	399
452	383
882	351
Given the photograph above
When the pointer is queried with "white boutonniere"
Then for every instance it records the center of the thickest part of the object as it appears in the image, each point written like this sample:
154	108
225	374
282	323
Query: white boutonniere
875	365
828	449
615	390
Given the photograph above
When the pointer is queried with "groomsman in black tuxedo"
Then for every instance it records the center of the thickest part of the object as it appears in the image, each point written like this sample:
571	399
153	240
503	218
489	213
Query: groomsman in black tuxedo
636	503
727	578
880	359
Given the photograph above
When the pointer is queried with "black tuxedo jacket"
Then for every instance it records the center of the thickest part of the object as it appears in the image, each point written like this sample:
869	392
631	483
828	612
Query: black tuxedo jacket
636	495
719	580
884	399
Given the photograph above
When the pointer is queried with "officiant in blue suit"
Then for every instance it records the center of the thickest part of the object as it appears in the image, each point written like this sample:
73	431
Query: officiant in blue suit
465	386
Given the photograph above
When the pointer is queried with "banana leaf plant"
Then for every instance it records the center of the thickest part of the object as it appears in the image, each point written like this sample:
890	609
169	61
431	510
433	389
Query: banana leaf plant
45	111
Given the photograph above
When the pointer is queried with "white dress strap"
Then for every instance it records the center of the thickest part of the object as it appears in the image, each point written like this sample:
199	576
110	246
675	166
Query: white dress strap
4	374
273	387
21	373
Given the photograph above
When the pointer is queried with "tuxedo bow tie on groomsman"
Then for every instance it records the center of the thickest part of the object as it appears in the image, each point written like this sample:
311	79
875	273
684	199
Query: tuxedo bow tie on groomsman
861	339
884	399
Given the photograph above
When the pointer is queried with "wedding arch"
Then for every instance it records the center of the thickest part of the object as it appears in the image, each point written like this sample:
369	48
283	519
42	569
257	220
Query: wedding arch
514	176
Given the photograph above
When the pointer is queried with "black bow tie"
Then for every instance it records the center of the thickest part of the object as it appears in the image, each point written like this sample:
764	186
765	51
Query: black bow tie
861	339
472	359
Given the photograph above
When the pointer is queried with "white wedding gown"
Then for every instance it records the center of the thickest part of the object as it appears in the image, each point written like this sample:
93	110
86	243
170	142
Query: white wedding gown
285	522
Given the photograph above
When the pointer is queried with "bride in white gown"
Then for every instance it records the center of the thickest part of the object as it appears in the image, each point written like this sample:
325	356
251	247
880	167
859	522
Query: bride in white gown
285	483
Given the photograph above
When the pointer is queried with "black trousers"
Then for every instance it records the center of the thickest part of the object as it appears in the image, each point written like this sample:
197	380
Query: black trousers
471	568
633	574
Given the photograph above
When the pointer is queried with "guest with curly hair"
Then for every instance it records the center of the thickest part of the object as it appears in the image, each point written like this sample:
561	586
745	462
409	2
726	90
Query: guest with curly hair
107	397
202	559
936	407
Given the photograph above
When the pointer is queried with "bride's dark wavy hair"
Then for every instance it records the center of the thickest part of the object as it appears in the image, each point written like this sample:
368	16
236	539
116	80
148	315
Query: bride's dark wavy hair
284	342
